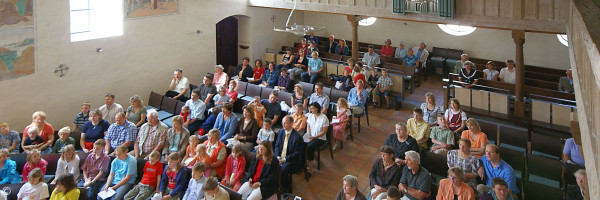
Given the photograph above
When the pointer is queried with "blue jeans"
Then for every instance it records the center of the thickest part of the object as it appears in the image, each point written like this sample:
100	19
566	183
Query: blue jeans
93	190
121	191
310	79
193	127
46	150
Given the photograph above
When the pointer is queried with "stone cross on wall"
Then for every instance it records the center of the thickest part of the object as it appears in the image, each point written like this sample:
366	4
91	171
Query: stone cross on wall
61	70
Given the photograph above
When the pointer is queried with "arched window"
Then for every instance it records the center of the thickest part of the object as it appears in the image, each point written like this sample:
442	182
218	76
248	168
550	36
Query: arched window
562	38
367	21
456	30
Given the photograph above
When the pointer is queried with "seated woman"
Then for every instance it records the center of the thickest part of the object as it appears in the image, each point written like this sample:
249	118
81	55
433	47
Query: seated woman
136	113
261	179
385	173
66	189
453	187
247	129
8	172
177	138
286	60
316	128
430	109
68	163
468	75
350	189
411	60
456	118
217	152
500	191
226	123
478	139
284	82
259	71
220	78
93	130
299	97
342	49
244	70
271	76
468	163
46	131
490	72
299	65
387	49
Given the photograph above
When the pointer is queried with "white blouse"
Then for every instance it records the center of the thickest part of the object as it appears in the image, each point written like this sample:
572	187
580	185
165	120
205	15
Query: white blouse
64	167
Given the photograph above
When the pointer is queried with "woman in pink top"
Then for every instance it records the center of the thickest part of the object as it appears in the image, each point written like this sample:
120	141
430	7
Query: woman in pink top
387	49
46	130
220	77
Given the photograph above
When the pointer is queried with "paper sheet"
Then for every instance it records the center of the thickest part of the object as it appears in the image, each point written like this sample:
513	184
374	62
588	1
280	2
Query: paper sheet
250	79
106	194
306	138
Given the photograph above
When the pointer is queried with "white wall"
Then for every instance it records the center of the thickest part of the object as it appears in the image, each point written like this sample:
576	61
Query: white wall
140	61
539	49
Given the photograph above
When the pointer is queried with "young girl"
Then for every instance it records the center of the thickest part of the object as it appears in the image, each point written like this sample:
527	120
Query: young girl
185	113
231	92
63	140
234	172
174	179
259	110
190	150
299	119
221	98
342	118
65	188
35	188
34	160
200	156
149	184
68	163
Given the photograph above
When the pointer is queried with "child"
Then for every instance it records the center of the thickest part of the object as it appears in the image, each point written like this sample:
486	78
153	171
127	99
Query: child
68	163
384	84
64	139
65	188
284	82
234	172
221	98
33	141
149	184
372	81
35	188
441	136
95	169
299	119
342	118
190	150
185	113
265	132
259	110
194	190
345	81
209	122
173	182
231	92
34	160
201	156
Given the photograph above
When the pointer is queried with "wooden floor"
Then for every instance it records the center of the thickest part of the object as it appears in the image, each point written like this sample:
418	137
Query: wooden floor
358	156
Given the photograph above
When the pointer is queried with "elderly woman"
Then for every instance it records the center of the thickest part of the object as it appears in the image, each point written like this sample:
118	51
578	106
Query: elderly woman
244	70
463	159
453	187
385	173
401	142
478	139
357	97
468	75
456	117
299	66
136	113
401	51
315	66
574	192
286	60
226	122
217	152
38	119
342	48
349	189
93	130
177	138
387	49
220	78
316	128
259	71
411	60
261	177
430	109
500	191
247	129
8	172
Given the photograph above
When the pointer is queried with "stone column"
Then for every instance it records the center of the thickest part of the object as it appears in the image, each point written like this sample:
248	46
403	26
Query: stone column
519	38
354	21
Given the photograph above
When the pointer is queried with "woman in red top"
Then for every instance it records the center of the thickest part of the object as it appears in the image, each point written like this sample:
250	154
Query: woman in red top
303	45
259	70
387	49
261	177
46	131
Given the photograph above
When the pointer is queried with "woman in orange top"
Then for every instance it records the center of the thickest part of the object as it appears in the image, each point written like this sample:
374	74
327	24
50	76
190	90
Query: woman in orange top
217	152
46	131
478	139
453	187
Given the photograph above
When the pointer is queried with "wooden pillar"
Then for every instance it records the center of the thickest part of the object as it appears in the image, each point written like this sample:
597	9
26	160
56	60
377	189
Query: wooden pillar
354	22
519	38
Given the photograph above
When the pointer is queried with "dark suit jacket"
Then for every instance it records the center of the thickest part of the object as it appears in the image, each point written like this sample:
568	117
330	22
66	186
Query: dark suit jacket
330	47
574	193
250	131
248	73
269	176
295	148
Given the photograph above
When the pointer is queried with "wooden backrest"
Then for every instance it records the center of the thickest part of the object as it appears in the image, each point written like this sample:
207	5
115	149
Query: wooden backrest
269	57
155	99
499	103
544	167
514	136
480	99
330	57
540	111
515	158
439	52
561	115
454	54
463	95
533	190
547	144
490	129
178	107
168	105
52	160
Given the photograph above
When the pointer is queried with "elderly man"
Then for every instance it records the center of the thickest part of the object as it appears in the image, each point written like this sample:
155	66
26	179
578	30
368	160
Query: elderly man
460	64
196	116
401	51
566	82
371	59
416	180
289	149
576	192
401	142
422	53
272	106
151	137
493	166
207	91
110	108
179	86
120	133
320	98
507	74
331	45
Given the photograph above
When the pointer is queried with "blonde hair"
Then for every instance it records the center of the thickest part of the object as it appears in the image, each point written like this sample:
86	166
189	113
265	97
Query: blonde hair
65	129
37	114
155	154
138	99
201	148
178	119
299	107
65	149
194	137
473	122
33	129
431	96
3	124
214	132
342	102
31	153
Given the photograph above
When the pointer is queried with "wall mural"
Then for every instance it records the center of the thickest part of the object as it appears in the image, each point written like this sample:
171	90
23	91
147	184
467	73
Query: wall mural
17	54
145	8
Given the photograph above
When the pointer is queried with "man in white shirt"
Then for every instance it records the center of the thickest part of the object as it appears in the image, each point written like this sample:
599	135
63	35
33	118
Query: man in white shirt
179	86
110	108
507	74
371	58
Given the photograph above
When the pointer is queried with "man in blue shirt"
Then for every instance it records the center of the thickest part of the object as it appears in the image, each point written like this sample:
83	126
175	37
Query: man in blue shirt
315	66
272	106
196	116
496	167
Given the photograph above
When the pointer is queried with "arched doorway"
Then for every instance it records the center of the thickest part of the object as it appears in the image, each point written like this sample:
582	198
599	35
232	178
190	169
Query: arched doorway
227	42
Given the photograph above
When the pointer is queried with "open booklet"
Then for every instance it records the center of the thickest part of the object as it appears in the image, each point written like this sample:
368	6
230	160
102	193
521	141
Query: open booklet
105	194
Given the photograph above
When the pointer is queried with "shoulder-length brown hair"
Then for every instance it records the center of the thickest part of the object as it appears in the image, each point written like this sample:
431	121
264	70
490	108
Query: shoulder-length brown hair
268	154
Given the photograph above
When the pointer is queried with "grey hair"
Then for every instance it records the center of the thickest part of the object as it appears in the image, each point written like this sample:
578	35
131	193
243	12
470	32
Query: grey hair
403	43
33	129
403	125
152	112
352	180
469	63
465	55
580	172
413	156
388	40
219	66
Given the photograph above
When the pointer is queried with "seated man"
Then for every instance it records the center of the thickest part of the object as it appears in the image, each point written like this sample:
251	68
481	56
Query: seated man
384	85
401	142
460	64
320	98
289	149
507	74
82	117
371	59
151	136
123	172
179	86
422	54
331	44
120	133
566	82
493	167
207	91
196	116
272	106
572	153
110	108
418	128
416	180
